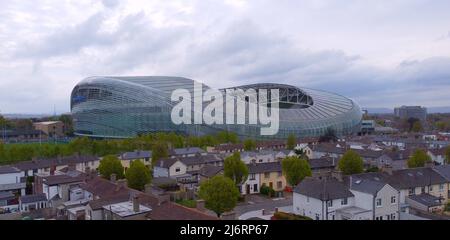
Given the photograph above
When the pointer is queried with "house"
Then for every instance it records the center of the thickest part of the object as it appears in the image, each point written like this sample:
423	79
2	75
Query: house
437	155
264	174
11	180
57	187
180	166
187	152
375	195
12	136
8	202
320	199
359	197
228	148
128	157
46	166
261	156
50	128
444	171
209	171
322	167
425	202
108	198
33	202
396	160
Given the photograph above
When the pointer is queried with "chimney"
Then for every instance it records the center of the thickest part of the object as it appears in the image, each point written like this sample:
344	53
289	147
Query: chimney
136	206
113	178
201	205
52	170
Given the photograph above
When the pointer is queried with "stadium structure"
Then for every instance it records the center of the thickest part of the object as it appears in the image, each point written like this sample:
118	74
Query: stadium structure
123	107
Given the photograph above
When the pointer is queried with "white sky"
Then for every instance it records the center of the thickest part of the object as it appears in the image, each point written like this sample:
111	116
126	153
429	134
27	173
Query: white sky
381	53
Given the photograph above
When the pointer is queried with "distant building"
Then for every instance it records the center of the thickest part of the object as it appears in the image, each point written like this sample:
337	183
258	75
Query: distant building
406	112
367	127
52	129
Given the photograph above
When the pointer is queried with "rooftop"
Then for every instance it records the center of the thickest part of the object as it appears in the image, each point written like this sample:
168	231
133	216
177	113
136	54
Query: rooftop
125	209
33	198
426	199
323	189
8	169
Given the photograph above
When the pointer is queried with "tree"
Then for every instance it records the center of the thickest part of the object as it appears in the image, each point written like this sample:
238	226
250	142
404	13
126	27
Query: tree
68	124
227	137
220	194
417	127
418	159
110	164
159	150
447	155
249	145
295	170
138	175
291	142
351	163
235	169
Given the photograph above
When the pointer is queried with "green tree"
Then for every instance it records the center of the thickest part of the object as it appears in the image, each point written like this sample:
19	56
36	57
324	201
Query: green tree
138	175
249	145
295	170
351	163
227	137
68	124
447	154
235	168
291	142
417	127
220	194
110	164
159	151
418	159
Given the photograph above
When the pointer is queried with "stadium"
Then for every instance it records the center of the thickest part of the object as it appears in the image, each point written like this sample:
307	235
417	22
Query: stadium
123	107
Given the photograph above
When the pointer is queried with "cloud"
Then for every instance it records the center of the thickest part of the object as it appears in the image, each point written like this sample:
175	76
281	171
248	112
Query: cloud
111	3
309	44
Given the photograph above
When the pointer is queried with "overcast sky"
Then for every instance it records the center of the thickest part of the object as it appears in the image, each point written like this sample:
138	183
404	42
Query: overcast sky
379	53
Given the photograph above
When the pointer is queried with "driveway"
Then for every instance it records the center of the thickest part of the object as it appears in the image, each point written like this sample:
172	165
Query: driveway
258	202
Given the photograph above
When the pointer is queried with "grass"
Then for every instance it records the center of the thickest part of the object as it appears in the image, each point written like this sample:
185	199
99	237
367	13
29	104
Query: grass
187	203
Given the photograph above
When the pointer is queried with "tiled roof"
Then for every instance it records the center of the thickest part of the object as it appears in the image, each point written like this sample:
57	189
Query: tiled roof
8	169
264	167
323	189
426	199
323	162
443	170
136	155
46	163
33	198
210	170
63	179
185	151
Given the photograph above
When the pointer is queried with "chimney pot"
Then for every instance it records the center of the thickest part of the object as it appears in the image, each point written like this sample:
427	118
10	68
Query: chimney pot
136	206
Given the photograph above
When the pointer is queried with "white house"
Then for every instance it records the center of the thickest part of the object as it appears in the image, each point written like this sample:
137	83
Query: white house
379	197
437	155
251	185
11	180
321	199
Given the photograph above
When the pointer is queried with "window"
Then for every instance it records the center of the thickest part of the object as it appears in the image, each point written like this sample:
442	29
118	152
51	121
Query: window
344	201
378	202
330	203
411	191
430	189
423	189
266	175
441	188
252	176
260	160
393	199
317	216
279	184
393	216
379	218
177	169
255	188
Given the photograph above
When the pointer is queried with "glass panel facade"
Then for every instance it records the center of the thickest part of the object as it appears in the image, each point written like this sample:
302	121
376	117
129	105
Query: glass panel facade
122	107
